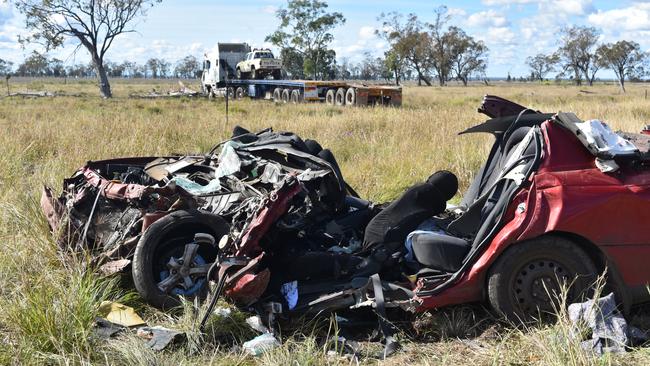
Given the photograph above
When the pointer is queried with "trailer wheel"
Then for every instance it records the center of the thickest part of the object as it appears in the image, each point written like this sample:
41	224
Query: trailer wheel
240	93
231	92
330	96
277	95
525	282
295	96
351	97
340	96
286	93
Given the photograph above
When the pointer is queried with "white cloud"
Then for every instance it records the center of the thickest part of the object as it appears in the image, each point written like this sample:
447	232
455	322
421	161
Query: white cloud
270	9
632	18
487	18
500	36
367	32
573	7
456	12
508	2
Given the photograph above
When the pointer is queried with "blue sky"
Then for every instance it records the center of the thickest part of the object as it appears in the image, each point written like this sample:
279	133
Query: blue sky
512	29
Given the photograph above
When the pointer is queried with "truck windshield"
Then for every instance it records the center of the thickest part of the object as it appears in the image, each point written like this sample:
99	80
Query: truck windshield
264	55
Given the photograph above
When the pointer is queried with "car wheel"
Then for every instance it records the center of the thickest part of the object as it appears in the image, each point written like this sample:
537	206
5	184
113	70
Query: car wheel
160	271
254	73
239	74
525	282
277	74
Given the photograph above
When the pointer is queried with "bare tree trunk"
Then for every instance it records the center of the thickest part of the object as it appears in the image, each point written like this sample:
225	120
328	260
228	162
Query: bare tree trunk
104	85
621	81
620	74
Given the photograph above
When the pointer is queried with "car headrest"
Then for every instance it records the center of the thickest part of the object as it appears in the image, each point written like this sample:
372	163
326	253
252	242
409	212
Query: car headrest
446	182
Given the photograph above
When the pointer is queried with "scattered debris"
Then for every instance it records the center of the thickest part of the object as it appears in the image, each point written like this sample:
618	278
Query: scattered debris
158	338
609	330
119	314
255	322
105	329
261	344
31	94
182	91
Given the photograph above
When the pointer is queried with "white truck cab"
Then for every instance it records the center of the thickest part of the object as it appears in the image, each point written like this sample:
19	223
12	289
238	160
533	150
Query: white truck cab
221	64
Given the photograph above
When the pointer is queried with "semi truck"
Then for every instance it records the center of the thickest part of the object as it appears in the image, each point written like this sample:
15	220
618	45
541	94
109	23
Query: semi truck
220	77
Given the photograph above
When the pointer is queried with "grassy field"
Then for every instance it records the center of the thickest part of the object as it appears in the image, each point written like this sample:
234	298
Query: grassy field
48	301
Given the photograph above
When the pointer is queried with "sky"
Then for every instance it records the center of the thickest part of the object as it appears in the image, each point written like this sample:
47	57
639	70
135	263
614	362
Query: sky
512	29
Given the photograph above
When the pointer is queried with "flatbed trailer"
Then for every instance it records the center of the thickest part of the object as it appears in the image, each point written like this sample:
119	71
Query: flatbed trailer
340	93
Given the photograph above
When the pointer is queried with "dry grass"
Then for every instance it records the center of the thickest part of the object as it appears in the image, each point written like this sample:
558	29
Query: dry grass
46	305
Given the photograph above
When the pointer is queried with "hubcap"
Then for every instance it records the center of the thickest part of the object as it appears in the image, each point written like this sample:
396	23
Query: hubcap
184	275
537	286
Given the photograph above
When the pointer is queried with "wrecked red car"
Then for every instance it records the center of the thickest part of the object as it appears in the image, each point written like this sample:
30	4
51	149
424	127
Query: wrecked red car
270	218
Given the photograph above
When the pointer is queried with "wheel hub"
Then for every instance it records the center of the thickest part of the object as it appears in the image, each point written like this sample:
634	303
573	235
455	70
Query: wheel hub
537	286
184	275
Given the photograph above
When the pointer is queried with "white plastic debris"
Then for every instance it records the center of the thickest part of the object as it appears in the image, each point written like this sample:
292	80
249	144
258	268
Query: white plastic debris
222	312
598	134
195	188
229	162
261	344
255	322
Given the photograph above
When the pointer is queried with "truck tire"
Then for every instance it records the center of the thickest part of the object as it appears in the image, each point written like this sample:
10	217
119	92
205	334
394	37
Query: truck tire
522	280
340	96
295	96
351	97
254	73
286	94
330	96
240	93
231	92
166	238
277	95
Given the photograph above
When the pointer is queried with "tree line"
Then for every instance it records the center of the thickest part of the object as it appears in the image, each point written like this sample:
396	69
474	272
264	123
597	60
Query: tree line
428	52
580	56
37	64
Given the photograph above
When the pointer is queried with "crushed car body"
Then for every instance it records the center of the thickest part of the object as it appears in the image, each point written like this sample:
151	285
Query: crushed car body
270	218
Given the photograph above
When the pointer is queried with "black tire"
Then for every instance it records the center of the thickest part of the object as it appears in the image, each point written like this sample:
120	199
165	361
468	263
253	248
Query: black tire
521	279
286	95
163	239
330	96
351	97
254	73
277	95
239	74
295	96
340	96
240	93
277	74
